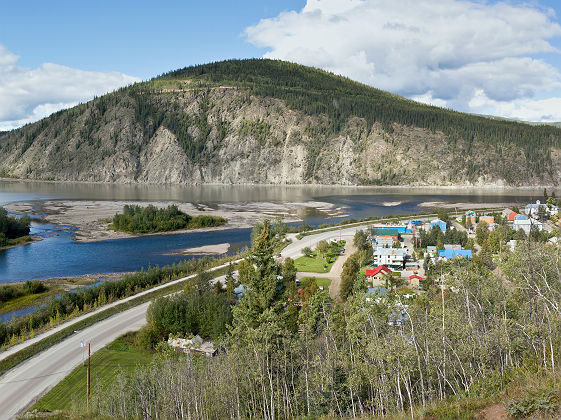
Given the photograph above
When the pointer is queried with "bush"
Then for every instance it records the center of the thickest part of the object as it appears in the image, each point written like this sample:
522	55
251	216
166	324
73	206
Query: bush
544	401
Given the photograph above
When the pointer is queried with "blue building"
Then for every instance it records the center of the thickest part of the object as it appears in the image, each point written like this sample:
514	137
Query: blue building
439	223
453	253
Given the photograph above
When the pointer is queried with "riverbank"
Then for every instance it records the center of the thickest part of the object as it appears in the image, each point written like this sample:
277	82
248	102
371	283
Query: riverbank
467	206
218	249
91	218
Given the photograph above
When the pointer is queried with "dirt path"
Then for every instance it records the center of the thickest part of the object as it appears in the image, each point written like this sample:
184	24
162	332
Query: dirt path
336	269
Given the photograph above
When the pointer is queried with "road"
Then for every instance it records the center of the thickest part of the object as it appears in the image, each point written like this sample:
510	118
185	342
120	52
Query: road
24	384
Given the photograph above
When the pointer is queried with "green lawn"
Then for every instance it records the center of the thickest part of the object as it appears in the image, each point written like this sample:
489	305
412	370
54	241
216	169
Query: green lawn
314	264
323	282
106	363
319	281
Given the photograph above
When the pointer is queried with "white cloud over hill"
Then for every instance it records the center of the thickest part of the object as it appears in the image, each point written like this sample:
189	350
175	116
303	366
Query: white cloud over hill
27	95
473	56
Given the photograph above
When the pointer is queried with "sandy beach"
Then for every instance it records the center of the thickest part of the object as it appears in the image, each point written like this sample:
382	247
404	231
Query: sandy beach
217	249
92	218
466	206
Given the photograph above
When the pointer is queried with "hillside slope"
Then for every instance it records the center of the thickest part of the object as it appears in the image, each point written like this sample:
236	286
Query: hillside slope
265	121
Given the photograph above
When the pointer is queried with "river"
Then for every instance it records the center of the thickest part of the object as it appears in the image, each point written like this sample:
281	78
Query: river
58	255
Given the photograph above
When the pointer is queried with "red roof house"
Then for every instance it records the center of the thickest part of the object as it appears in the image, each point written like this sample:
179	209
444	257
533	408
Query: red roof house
377	274
415	280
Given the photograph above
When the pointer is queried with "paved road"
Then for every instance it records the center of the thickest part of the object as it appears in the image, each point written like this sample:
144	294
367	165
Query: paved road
22	385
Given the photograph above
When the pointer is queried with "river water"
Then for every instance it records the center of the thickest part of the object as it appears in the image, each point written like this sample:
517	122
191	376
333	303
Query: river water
58	255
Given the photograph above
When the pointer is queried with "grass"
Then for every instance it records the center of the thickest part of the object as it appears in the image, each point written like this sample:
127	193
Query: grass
313	264
22	302
17	241
323	282
70	394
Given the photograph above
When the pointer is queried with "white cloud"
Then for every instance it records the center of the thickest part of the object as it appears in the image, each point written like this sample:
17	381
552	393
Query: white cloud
447	52
27	95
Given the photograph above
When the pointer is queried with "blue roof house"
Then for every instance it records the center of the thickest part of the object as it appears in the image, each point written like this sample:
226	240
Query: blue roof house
439	223
453	253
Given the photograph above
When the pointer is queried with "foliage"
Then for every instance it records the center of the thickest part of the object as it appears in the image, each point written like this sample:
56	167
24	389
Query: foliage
12	227
9	292
137	219
198	311
436	236
544	401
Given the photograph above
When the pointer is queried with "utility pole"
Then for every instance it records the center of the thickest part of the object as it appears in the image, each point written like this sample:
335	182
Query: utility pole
88	396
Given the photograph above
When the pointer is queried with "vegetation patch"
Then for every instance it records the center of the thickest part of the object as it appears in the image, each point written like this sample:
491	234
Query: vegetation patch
150	219
14	297
13	231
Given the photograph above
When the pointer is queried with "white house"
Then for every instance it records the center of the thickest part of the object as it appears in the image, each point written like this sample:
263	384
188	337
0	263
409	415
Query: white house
532	210
526	225
394	257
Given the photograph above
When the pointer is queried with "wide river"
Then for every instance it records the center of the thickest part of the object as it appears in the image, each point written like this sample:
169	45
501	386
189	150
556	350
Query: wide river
58	255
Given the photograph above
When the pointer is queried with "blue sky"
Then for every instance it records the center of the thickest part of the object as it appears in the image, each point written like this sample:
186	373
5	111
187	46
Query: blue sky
491	57
140	38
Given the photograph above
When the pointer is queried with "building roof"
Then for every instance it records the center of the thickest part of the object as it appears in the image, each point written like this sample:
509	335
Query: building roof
379	269
452	253
452	246
400	252
524	222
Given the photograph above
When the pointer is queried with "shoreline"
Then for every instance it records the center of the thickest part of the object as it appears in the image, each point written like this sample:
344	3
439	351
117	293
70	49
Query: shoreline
487	187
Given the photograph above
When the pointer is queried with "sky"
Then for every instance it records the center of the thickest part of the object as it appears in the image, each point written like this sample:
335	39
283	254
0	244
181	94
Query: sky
499	58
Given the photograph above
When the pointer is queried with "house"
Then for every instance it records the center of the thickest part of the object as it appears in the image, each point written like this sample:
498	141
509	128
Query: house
509	215
415	280
439	223
471	218
192	345
487	219
416	222
452	247
527	225
391	257
533	210
453	253
431	250
520	217
377	276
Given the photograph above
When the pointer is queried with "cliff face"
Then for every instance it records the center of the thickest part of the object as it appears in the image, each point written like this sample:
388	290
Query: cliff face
182	133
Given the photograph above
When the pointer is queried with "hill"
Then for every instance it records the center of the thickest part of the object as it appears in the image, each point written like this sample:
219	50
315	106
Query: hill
267	121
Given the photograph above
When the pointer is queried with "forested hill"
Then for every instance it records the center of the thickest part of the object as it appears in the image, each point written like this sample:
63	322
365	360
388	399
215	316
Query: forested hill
266	121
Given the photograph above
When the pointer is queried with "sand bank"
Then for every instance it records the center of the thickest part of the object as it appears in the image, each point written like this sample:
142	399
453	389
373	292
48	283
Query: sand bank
92	218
